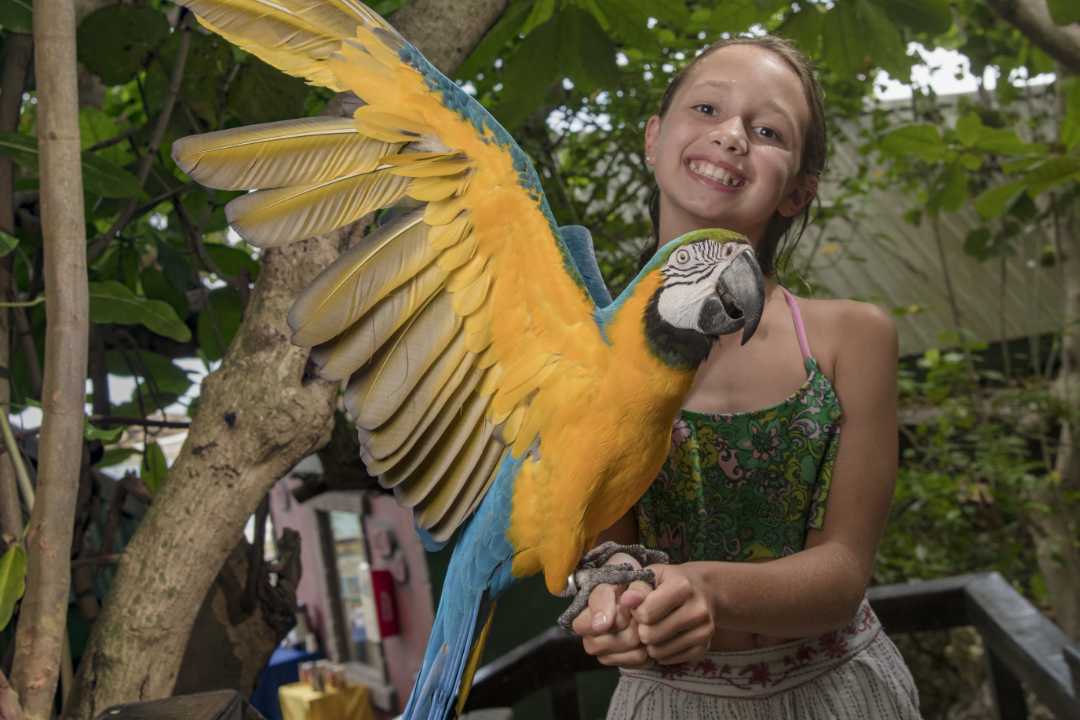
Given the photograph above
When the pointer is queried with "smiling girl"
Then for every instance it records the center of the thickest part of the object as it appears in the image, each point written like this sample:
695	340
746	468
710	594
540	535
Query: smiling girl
777	488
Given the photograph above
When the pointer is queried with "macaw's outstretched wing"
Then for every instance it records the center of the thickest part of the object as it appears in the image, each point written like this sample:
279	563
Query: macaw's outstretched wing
449	320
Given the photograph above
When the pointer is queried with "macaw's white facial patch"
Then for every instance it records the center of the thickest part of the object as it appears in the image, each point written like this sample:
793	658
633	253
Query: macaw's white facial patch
691	274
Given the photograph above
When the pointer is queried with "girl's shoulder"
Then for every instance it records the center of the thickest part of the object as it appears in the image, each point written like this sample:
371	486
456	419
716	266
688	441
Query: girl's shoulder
845	332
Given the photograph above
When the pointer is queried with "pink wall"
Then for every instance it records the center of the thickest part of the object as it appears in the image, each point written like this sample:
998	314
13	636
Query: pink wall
393	546
405	651
288	513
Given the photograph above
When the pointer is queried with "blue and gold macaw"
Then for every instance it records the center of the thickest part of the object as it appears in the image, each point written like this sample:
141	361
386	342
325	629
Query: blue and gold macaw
496	388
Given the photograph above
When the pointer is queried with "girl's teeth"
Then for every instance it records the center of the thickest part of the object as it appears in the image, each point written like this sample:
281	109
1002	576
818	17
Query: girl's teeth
714	172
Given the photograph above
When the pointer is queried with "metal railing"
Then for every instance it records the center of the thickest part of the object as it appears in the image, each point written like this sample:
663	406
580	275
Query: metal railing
1023	648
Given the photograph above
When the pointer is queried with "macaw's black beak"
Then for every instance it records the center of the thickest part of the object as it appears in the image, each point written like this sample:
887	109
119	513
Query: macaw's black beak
741	288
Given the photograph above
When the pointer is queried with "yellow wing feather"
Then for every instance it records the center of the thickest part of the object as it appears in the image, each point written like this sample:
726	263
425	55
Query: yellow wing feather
450	321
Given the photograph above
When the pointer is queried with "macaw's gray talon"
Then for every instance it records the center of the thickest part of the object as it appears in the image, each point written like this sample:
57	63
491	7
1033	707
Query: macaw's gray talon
583	581
601	553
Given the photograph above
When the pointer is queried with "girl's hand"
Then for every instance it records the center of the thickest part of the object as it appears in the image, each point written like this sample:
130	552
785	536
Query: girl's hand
675	621
608	631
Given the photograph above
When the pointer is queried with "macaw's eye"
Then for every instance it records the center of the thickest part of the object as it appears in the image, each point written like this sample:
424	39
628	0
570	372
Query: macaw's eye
682	257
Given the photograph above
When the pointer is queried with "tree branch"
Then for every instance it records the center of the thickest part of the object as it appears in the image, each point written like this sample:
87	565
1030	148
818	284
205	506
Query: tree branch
9	701
257	418
18	50
41	634
1032	18
118	420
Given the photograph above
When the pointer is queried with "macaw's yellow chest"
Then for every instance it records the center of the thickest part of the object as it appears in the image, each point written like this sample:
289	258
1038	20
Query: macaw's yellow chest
604	441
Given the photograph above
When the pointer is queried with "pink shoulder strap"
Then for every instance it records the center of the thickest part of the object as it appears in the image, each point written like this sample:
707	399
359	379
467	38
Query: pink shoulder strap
796	317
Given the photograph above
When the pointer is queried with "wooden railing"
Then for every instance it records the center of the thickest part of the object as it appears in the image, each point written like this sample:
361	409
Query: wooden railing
1023	648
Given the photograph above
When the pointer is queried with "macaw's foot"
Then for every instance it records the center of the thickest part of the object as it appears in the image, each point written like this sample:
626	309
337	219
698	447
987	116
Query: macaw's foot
592	572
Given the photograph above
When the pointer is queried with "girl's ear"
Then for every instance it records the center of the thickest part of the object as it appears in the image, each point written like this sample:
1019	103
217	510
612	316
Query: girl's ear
652	137
804	190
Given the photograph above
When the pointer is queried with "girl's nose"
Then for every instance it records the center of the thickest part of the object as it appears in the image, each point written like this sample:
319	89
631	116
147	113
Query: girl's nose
731	136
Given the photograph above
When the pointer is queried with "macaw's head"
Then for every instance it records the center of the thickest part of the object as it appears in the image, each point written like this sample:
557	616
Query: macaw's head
709	285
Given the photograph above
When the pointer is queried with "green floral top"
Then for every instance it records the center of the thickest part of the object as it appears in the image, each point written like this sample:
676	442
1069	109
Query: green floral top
745	486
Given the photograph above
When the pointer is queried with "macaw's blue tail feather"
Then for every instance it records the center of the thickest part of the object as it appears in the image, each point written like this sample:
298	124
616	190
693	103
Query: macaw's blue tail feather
479	570
453	653
428	541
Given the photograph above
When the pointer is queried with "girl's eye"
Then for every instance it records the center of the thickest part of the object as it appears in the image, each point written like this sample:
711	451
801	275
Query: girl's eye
768	133
705	109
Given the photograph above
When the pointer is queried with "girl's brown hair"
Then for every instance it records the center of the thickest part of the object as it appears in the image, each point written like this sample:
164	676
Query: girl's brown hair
812	161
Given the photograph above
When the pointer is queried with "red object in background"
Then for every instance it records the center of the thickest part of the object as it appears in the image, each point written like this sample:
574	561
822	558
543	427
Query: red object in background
382	587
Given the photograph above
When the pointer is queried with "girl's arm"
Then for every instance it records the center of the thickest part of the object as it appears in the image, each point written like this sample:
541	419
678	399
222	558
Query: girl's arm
819	588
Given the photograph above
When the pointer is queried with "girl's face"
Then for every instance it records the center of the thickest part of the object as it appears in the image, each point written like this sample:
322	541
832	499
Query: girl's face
727	152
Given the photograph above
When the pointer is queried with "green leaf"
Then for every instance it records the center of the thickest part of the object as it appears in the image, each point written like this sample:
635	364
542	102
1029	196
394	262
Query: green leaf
968	127
627	23
159	370
949	190
587	50
736	16
12	581
176	268
233	261
17	16
156	286
218	323
114	42
804	28
1052	172
1070	125
971	132
22	149
495	41
105	435
155	470
97	126
993	202
209	61
542	10
885	45
922	140
112	302
923	16
669	12
259	93
528	74
1064	12
982	245
115	456
843	41
7	243
101	177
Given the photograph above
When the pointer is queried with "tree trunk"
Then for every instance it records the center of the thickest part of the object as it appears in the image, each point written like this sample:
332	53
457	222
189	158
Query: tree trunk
240	624
40	638
18	49
256	419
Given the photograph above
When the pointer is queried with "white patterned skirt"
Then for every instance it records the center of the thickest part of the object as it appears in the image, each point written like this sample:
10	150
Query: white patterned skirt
848	674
